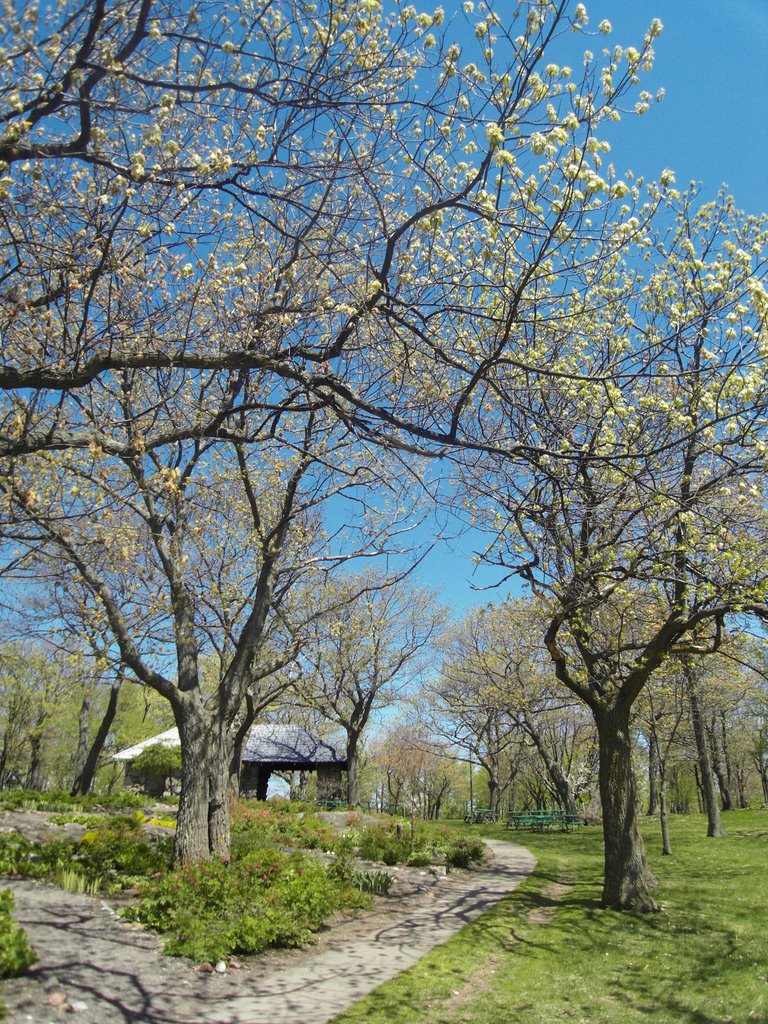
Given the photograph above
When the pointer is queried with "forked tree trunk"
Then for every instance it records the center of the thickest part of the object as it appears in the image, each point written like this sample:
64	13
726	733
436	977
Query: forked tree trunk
220	796
628	880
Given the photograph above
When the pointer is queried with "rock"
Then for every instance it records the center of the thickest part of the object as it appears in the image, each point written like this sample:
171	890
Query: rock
58	1000
78	1006
204	968
221	967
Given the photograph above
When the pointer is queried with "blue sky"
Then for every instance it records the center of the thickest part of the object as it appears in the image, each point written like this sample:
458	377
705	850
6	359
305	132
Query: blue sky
711	126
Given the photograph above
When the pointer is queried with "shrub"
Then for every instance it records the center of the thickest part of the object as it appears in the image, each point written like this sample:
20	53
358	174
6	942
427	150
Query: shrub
270	898
463	852
16	954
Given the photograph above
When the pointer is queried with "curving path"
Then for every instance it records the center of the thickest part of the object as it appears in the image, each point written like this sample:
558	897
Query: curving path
111	973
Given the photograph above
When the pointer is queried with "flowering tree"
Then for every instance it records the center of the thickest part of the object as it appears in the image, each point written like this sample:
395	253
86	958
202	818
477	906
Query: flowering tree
649	527
219	217
188	189
194	566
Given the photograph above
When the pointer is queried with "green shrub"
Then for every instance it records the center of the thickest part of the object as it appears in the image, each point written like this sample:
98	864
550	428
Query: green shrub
420	859
270	898
116	848
463	852
158	759
16	954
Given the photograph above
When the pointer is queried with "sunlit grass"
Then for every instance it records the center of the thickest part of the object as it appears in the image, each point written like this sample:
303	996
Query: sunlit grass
702	960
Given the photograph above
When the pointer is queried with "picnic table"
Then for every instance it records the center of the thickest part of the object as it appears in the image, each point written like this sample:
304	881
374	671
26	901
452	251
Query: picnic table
542	820
480	816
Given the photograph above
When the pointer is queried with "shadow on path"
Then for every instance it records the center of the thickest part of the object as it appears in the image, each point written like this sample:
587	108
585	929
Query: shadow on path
114	974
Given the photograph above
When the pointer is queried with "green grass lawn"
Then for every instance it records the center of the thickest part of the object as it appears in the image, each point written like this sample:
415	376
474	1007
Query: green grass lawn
550	954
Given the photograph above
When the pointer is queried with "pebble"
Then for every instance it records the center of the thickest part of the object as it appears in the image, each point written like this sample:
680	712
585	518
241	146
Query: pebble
221	967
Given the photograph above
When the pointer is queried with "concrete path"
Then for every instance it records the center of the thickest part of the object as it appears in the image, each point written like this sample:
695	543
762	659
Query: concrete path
112	974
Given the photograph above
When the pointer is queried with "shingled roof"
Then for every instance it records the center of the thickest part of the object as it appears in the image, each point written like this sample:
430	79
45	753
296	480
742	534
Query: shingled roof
288	745
268	744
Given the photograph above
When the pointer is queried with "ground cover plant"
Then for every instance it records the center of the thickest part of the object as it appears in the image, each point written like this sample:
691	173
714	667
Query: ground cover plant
290	870
60	801
16	954
550	953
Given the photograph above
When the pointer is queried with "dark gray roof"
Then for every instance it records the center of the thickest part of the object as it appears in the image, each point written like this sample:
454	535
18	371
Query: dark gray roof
287	744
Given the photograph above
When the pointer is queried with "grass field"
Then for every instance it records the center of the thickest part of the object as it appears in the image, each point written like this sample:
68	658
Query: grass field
550	954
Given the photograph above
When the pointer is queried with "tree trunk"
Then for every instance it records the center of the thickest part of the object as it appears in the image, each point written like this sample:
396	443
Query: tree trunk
84	777
559	780
709	792
220	796
192	842
628	880
666	845
83	723
653	778
717	767
353	772
494	794
36	776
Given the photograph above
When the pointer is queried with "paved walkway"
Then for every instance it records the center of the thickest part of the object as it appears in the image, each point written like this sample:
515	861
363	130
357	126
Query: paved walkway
112	974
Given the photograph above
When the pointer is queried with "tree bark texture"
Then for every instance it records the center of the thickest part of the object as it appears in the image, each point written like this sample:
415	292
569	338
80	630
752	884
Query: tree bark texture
628	880
192	839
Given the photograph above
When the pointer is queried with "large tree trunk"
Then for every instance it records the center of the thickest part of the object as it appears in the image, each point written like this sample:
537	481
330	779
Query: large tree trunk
220	794
707	778
628	880
192	842
84	776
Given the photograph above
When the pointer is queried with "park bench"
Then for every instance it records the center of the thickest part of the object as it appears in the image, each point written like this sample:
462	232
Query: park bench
480	816
333	805
542	820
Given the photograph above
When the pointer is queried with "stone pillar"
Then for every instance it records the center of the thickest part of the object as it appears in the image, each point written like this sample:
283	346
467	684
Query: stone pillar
329	785
250	777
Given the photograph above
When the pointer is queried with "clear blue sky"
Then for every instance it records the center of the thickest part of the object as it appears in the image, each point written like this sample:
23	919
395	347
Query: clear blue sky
712	127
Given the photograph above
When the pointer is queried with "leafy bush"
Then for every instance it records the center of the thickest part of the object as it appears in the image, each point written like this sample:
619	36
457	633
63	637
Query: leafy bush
115	848
16	954
462	852
158	759
269	898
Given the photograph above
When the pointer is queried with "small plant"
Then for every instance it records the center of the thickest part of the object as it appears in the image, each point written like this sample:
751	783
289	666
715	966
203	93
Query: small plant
377	883
74	880
16	954
464	852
